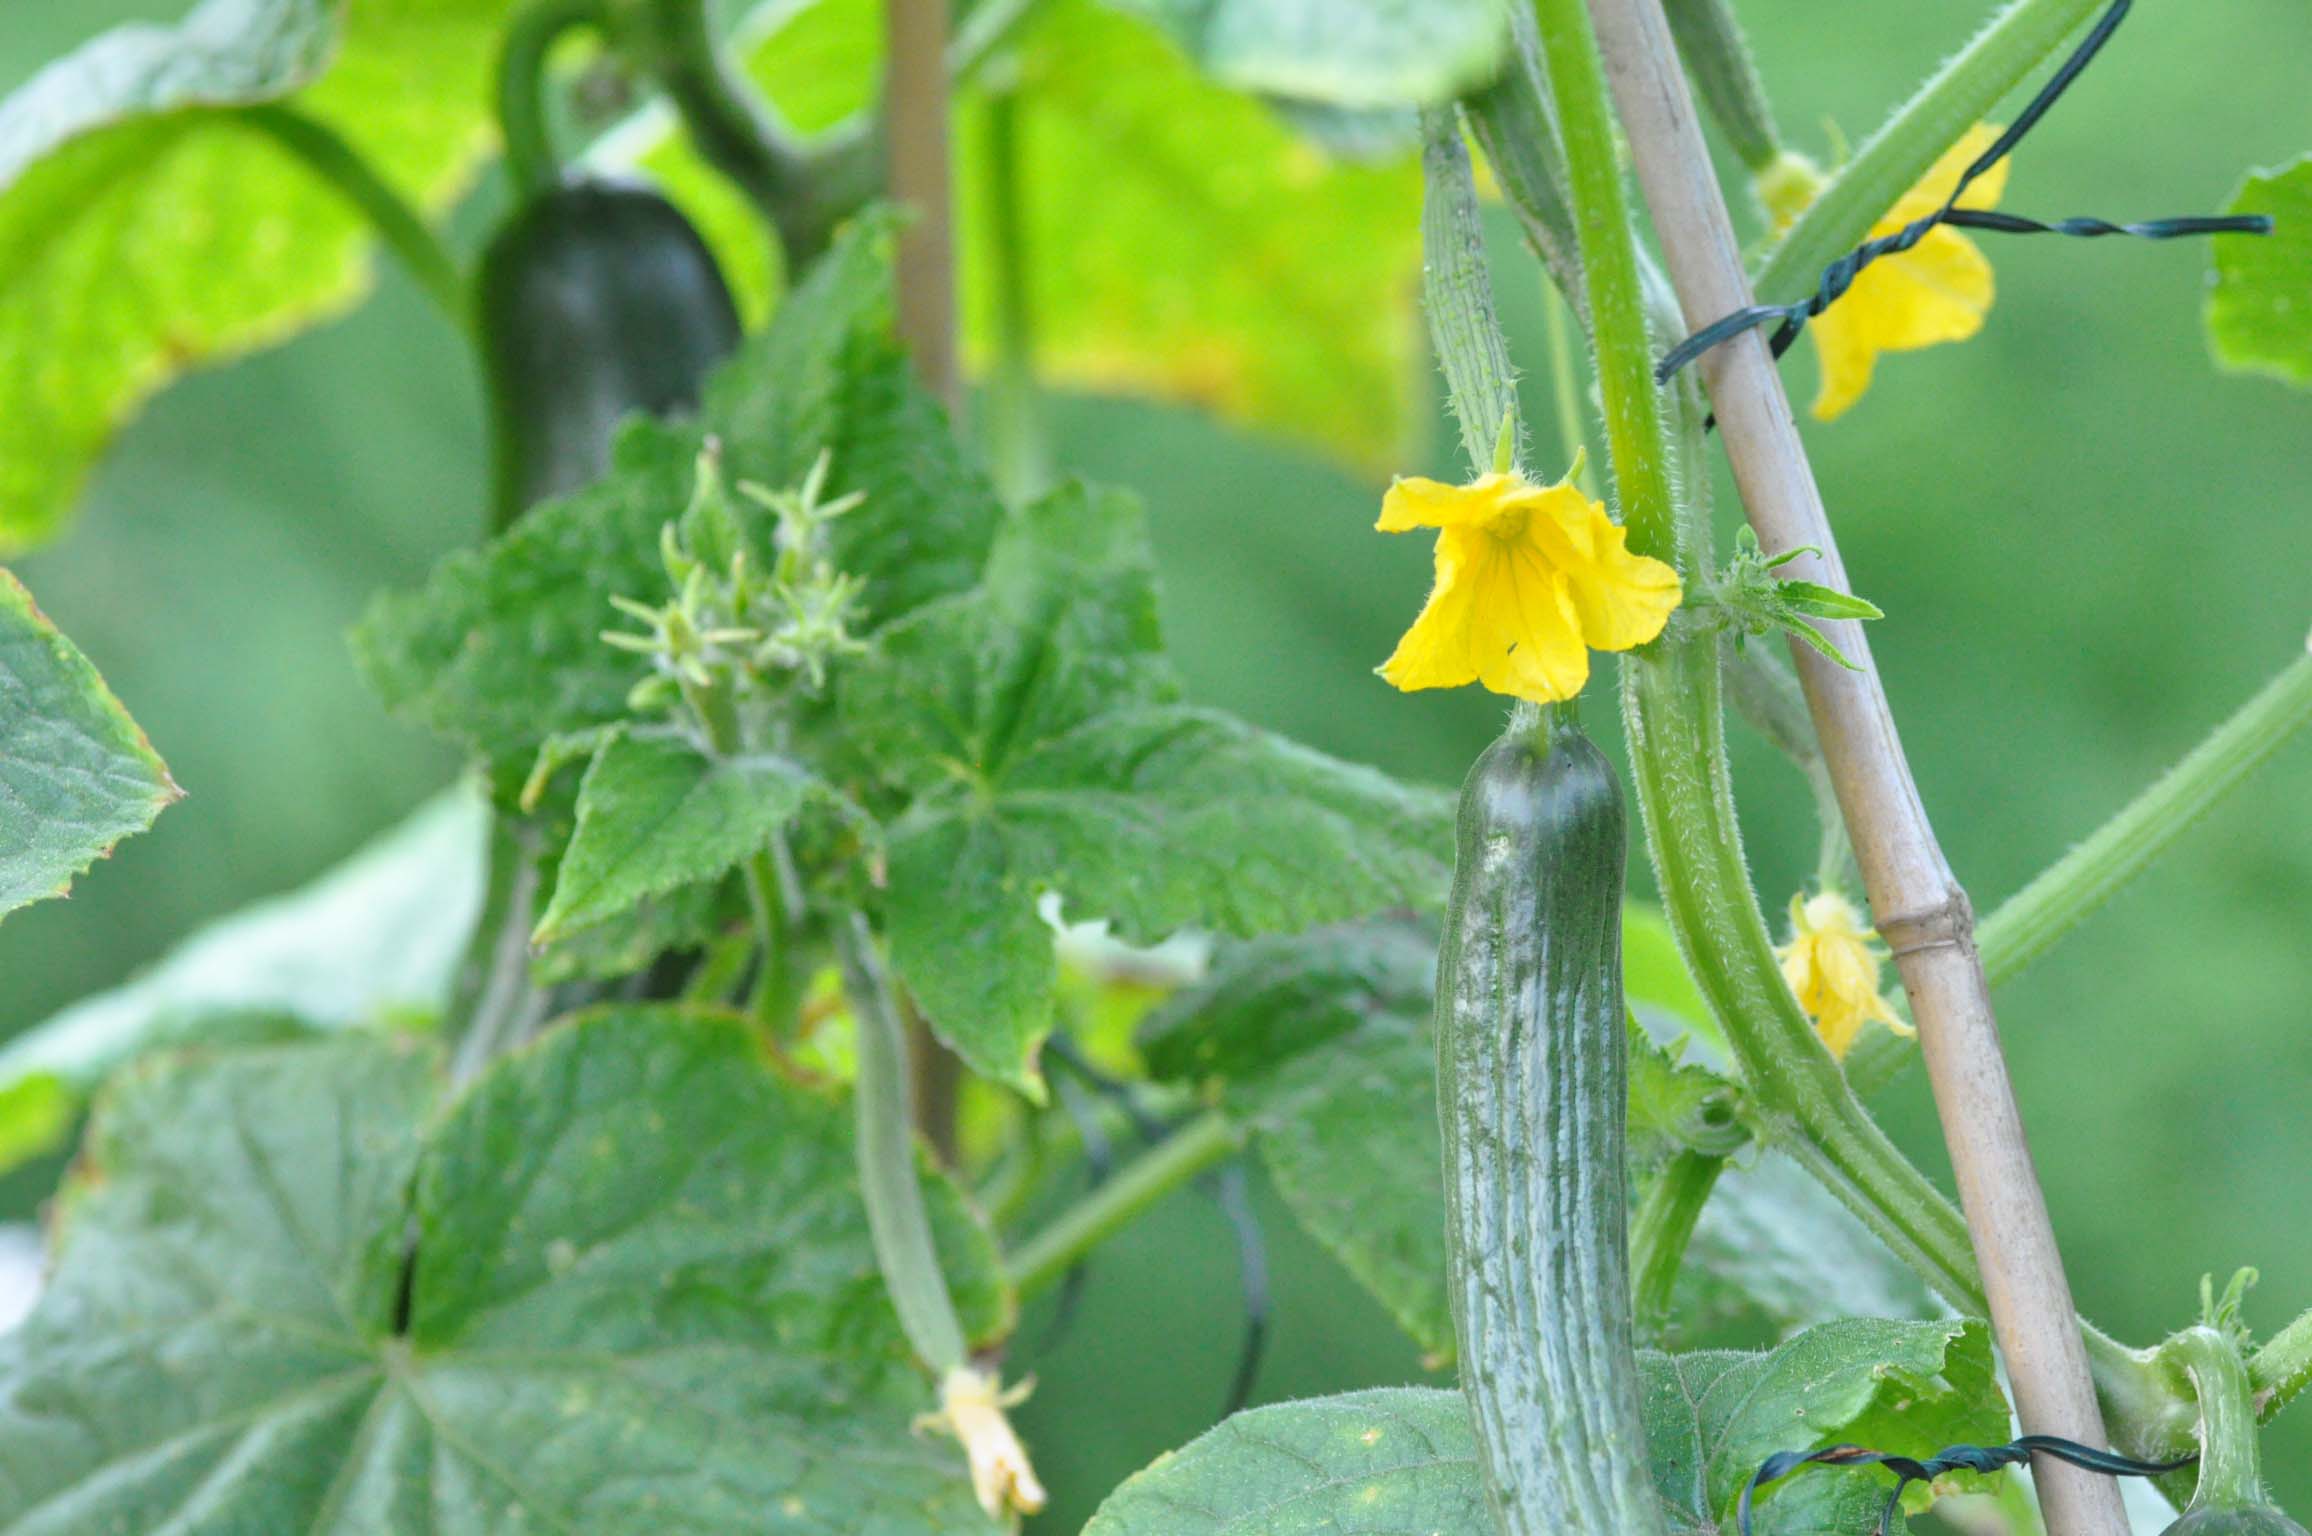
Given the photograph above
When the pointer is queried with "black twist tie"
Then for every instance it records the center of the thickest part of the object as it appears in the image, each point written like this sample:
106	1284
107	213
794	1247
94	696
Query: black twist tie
1790	319
1953	1458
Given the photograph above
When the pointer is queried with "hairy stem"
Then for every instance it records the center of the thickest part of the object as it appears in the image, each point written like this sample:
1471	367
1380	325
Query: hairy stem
405	233
1664	1225
1710	40
1045	1258
2283	1367
2229	1477
1457	294
2017	40
890	1178
1918	904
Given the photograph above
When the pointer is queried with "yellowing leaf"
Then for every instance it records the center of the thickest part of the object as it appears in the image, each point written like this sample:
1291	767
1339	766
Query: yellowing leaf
148	224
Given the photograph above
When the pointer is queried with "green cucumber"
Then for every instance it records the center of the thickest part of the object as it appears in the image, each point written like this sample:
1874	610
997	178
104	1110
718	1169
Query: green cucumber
1532	1092
2245	1520
598	300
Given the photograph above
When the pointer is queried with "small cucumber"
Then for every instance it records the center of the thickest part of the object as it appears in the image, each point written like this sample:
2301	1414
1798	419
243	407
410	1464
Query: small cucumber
1532	1092
598	300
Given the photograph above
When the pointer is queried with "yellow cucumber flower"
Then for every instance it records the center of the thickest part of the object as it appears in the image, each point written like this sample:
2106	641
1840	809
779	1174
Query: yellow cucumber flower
1832	967
1938	290
1530	580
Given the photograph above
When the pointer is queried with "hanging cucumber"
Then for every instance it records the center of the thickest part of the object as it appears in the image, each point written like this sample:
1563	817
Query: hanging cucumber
1531	1088
2229	1499
597	300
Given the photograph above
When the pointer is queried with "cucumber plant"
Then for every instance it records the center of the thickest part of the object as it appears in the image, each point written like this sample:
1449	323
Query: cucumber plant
654	1133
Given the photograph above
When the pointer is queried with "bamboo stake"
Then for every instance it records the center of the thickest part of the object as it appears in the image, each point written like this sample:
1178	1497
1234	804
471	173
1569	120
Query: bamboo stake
918	167
1919	907
915	95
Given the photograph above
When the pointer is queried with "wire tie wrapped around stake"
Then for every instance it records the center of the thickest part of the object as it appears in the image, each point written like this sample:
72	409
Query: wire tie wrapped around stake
1955	1458
1790	319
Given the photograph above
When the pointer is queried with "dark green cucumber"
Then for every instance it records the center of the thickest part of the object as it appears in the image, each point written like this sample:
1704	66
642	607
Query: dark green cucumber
598	300
1532	1093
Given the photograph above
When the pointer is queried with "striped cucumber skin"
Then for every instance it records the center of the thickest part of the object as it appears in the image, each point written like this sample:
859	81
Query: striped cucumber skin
1532	1094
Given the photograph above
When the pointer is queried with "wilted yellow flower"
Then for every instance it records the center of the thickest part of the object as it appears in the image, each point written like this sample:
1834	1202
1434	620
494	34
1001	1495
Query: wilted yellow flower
971	1408
1939	290
1530	580
1831	965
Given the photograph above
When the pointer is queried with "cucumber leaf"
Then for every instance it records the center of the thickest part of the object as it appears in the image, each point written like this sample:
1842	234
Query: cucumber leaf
1402	1462
655	814
1396	1461
148	224
1037	727
76	775
2260	303
643	1298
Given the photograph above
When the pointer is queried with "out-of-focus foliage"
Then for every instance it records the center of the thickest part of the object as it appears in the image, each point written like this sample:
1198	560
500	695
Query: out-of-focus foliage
147	226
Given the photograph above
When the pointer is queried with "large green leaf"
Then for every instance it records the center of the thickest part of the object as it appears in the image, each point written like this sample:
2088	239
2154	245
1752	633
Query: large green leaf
1401	1462
148	224
1034	720
502	647
76	775
1392	1462
376	938
2260	305
1912	1387
655	814
1344	53
643	1298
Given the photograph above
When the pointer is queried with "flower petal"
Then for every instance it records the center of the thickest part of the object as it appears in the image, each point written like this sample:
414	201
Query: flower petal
1620	599
1439	650
1413	502
1934	188
1534	651
1937	291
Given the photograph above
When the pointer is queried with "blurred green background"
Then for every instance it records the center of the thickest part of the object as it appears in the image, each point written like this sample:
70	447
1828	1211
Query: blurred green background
2090	546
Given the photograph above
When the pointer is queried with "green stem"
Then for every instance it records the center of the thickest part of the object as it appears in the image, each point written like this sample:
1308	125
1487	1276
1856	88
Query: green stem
1045	1258
890	1178
1513	121
420	252
1970	85
1457	293
1663	1227
773	897
495	1005
1615	294
2283	1367
2028	923
1019	449
2229	1477
530	158
1718	57
732	129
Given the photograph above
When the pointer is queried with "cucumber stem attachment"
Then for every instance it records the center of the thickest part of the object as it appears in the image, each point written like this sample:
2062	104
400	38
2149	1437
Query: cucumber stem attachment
971	1398
1660	1231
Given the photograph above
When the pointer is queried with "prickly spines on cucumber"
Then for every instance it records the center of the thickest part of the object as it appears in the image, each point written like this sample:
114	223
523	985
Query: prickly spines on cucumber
1532	1083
